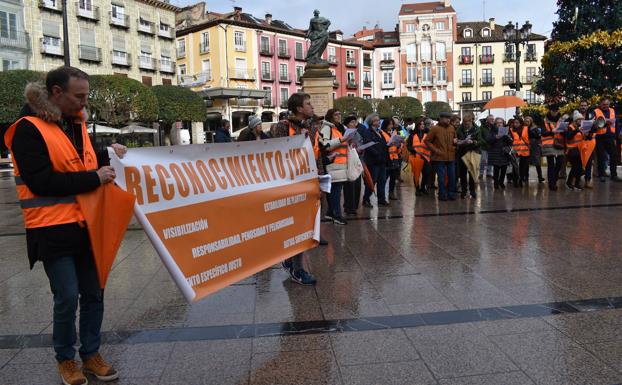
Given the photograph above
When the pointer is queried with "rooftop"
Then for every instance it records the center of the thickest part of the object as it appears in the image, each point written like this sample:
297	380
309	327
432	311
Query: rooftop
425	8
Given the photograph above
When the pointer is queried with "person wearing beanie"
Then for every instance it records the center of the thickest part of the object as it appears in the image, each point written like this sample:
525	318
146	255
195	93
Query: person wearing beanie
574	139
253	131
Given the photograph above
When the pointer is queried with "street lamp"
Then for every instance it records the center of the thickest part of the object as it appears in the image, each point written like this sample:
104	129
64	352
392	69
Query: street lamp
516	37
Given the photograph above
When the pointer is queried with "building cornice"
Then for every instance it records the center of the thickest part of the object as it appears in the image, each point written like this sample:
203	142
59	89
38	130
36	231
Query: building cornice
161	4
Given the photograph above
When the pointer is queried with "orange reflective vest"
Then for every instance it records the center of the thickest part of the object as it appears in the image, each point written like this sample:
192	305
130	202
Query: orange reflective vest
341	150
549	141
598	113
394	153
420	147
39	211
576	140
314	141
521	143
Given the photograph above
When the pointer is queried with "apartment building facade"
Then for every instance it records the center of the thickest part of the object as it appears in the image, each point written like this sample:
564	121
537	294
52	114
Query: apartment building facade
133	38
427	32
485	66
15	44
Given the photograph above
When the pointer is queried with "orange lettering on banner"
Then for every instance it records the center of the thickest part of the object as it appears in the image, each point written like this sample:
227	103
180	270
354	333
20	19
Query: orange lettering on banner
150	183
261	165
215	170
289	166
236	170
224	169
197	186
207	177
247	170
252	167
167	189
180	180
294	159
308	159
132	181
303	161
269	156
280	167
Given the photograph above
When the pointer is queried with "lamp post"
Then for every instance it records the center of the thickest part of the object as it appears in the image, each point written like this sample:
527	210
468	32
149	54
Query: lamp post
516	37
67	59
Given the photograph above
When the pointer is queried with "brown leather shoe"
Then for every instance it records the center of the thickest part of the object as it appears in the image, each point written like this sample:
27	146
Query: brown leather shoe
71	374
96	366
589	184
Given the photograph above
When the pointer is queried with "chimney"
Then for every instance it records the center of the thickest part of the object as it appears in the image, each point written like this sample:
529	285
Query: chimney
237	9
268	18
492	23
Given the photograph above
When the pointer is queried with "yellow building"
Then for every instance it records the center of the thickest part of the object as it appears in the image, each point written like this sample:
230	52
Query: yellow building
485	68
217	57
134	38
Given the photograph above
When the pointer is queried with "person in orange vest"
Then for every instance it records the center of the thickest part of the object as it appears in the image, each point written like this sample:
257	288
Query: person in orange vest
605	139
301	121
574	139
417	148
520	146
553	145
375	158
54	162
388	129
335	146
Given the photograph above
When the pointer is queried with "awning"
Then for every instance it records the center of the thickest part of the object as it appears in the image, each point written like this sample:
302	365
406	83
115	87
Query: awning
229	93
99	129
136	129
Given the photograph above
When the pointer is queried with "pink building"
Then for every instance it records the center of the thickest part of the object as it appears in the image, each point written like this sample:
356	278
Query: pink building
345	59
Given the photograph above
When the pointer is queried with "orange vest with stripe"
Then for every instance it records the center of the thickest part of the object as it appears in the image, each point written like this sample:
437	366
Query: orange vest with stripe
341	150
422	150
314	140
598	113
548	141
576	140
46	211
393	150
521	143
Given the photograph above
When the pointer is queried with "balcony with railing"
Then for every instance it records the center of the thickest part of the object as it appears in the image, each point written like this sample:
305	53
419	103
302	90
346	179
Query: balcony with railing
87	12
242	73
425	81
119	20
298	78
440	81
51	47
387	64
167	66
465	59
51	5
439	57
388	86
528	79
351	85
181	52
350	62
332	60
146	63
89	53
508	80
284	53
266	76
412	81
299	55
487	82
486	59
284	78
15	39
366	84
531	56
411	58
366	62
426	58
145	26
267	103
203	48
509	57
245	102
167	33
202	78
466	82
266	50
120	58
240	46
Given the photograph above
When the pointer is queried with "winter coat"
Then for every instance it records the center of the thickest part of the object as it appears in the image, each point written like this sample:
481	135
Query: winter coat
328	142
535	145
440	140
497	148
476	137
378	154
222	136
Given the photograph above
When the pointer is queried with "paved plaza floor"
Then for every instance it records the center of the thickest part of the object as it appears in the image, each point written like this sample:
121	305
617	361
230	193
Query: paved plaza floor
513	288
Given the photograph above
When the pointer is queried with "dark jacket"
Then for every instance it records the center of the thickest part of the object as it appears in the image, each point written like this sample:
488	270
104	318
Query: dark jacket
378	154
247	135
476	136
32	157
222	136
485	129
497	156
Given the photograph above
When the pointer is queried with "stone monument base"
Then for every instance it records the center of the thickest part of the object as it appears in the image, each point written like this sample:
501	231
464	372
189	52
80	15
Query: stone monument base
318	81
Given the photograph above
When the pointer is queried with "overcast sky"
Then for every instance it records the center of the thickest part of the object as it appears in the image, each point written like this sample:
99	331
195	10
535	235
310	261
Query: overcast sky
352	15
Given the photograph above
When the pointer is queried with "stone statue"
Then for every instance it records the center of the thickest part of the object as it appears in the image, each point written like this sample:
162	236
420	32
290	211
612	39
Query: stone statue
318	34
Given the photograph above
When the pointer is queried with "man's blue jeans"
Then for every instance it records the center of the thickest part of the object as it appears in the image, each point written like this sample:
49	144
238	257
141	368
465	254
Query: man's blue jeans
379	176
442	169
74	279
334	199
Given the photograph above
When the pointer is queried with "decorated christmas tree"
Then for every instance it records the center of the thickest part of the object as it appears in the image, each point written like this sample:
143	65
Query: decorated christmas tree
584	57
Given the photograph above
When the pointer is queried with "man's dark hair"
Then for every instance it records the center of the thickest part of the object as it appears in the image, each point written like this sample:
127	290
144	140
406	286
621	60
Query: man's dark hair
330	115
297	100
60	77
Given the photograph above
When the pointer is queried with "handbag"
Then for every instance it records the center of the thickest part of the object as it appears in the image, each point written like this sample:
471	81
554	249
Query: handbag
355	167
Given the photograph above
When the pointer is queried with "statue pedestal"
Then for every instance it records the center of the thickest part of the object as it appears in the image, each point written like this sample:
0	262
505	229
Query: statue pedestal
318	81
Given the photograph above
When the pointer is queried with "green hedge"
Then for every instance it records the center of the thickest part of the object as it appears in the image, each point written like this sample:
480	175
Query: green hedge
12	92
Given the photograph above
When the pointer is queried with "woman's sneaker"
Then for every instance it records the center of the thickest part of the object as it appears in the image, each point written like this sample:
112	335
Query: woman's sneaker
339	221
301	277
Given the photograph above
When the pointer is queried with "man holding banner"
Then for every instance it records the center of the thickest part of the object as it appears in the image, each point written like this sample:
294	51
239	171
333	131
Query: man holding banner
54	163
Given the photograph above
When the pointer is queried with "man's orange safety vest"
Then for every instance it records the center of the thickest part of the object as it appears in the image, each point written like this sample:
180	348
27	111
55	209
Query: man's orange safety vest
598	113
576	140
43	211
341	150
521	143
314	140
422	150
393	150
